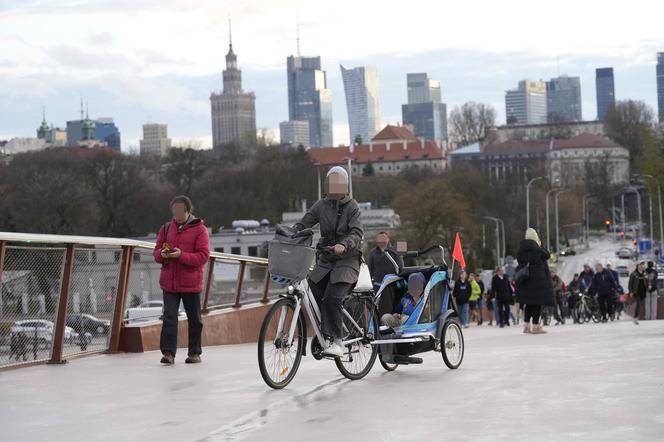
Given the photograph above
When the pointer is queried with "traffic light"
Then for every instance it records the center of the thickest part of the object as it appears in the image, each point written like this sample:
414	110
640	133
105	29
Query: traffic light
607	223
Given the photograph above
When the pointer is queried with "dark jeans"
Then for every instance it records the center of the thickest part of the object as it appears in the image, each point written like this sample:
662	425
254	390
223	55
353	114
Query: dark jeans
605	304
504	312
532	312
169	329
329	298
559	310
637	309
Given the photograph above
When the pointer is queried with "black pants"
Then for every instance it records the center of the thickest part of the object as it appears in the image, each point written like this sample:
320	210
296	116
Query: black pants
605	304
532	312
329	298
169	329
559	310
503	312
639	304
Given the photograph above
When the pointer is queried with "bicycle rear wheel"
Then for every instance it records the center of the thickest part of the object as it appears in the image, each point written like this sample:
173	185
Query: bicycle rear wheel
279	359
360	356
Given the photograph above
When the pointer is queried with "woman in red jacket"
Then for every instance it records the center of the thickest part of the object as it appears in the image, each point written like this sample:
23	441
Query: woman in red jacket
182	249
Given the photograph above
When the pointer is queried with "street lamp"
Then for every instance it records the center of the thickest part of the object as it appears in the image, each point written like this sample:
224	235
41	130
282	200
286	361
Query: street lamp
548	241
499	223
659	203
557	224
586	213
320	196
632	189
528	198
350	175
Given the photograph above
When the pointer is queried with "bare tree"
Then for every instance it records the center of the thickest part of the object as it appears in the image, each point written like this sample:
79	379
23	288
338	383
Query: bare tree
628	123
471	122
184	166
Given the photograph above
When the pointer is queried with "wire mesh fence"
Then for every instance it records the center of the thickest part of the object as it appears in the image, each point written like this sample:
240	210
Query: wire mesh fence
28	302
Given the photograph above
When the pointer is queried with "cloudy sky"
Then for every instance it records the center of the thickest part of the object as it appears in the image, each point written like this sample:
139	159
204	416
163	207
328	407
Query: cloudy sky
158	60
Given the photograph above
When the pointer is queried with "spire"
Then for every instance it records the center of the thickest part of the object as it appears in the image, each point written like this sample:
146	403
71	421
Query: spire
230	34
81	108
43	129
43	114
297	27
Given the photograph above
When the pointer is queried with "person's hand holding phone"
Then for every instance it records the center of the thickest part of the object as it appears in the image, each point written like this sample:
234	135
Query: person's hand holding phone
175	253
339	249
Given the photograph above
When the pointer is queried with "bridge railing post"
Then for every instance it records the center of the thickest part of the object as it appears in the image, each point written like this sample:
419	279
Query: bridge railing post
240	280
2	259
266	288
63	303
208	284
120	298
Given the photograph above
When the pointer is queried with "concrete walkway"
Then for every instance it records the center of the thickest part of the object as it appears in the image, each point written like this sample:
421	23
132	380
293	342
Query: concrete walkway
582	382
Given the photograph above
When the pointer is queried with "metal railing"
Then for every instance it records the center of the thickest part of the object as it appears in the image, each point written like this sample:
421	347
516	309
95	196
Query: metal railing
62	296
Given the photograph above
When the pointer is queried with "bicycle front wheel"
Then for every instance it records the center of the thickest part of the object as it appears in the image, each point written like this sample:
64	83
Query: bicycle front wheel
279	358
360	323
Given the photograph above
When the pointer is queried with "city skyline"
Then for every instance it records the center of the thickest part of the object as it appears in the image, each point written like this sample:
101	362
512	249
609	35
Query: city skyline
152	83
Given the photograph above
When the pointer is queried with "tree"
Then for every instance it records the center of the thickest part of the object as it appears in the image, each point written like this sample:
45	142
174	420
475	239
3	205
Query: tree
471	122
357	139
184	166
368	170
628	123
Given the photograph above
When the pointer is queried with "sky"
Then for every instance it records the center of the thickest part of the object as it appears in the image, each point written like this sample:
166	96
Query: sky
144	61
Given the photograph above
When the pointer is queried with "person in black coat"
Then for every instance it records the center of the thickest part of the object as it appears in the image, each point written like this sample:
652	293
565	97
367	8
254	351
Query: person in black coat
536	290
461	293
604	286
502	291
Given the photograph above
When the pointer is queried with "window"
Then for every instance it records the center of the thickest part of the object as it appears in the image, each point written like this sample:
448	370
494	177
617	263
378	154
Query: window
219	249
236	251
253	250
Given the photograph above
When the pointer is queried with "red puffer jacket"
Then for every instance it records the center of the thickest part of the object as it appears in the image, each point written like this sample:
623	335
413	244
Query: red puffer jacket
183	274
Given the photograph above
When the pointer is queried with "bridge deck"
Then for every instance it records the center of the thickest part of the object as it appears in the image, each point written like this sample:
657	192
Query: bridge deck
590	382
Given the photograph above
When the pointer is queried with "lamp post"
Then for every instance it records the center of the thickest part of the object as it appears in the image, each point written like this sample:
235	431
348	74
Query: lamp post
659	203
498	250
634	190
586	213
557	223
319	185
528	198
548	240
350	175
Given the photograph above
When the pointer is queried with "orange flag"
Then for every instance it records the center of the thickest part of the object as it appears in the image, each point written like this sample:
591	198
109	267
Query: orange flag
457	254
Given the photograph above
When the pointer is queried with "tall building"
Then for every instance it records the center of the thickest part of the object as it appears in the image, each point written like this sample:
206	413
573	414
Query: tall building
87	130
233	111
155	140
660	85
309	99
425	112
294	133
563	98
422	89
107	131
526	104
362	102
605	90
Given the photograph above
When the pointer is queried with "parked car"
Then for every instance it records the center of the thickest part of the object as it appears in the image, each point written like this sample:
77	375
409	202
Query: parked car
622	269
85	323
42	329
568	252
148	311
625	253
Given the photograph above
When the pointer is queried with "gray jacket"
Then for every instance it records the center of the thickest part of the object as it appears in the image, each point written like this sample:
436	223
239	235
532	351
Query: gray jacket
345	215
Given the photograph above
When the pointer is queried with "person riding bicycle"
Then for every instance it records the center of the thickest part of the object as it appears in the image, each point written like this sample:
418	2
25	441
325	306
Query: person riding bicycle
586	277
573	289
604	286
338	258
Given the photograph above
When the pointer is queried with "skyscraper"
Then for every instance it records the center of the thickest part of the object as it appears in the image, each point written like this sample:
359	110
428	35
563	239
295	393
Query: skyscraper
309	99
233	111
660	85
526	104
294	133
89	131
155	140
605	90
362	102
563	97
425	112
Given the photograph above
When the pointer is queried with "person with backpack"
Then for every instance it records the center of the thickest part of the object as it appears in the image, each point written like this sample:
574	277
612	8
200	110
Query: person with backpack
604	286
183	250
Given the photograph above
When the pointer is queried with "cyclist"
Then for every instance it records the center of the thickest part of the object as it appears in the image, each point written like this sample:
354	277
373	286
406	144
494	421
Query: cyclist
338	259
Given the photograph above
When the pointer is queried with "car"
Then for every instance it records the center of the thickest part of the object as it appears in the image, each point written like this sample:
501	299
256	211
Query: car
86	323
41	329
625	253
568	252
148	311
622	270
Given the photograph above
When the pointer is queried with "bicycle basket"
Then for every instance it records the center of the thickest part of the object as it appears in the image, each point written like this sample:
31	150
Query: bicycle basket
291	261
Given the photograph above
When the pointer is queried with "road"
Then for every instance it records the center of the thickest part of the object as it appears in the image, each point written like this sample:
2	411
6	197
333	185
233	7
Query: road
582	382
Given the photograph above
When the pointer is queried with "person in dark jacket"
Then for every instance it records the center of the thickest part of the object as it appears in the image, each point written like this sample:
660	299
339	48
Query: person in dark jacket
183	250
502	292
383	260
462	291
572	294
558	297
586	277
338	259
638	287
651	296
536	290
604	286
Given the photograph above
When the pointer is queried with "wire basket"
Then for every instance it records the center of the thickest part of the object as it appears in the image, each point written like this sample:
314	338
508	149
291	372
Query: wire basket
290	261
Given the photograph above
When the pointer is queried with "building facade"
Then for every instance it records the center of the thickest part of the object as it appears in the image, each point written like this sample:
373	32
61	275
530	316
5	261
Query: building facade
233	111
294	133
526	104
155	140
605	90
659	70
309	99
102	130
530	132
393	150
362	101
563	99
425	112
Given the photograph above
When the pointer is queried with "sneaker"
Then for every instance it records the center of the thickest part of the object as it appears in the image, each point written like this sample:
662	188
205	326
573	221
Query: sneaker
636	321
168	358
193	359
335	350
537	329
526	328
